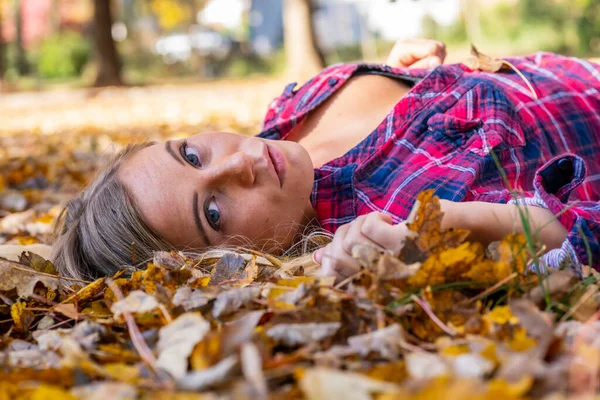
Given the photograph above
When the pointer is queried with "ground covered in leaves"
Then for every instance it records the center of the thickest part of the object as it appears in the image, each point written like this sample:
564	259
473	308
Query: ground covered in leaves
446	319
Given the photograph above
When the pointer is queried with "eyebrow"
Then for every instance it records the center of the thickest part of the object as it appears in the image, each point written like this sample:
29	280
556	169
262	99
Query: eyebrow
172	152
198	220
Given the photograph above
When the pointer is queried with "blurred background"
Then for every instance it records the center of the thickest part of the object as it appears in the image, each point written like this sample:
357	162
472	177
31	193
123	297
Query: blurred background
79	43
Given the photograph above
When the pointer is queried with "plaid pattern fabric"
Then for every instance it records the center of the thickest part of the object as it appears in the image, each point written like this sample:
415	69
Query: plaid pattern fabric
444	133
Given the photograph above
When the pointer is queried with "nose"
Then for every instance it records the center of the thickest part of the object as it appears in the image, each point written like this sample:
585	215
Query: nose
236	168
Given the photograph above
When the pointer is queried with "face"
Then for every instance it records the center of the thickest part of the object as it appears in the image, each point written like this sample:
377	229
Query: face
222	189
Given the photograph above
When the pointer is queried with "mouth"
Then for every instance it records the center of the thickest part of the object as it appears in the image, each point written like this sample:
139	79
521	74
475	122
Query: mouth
278	162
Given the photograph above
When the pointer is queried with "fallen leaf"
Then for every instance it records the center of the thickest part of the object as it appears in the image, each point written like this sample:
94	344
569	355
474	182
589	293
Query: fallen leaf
37	263
295	334
324	383
136	302
423	365
200	380
232	300
21	316
177	340
23	279
386	342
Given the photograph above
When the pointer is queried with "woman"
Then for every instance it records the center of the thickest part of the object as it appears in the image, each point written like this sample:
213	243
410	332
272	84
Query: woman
348	152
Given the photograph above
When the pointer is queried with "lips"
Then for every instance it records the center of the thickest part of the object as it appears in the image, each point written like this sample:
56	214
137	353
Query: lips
279	163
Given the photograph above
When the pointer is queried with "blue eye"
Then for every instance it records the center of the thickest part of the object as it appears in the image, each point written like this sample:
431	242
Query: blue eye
213	215
191	155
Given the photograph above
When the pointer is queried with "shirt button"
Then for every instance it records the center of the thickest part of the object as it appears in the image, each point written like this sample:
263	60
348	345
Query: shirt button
332	81
565	165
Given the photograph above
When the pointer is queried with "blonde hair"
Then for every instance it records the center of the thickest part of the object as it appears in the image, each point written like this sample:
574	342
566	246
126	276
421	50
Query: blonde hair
101	231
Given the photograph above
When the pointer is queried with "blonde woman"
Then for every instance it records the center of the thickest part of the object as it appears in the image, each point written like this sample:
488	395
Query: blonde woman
348	152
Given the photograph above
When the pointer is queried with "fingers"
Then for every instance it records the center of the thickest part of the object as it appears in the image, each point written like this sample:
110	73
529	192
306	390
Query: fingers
334	259
417	53
374	229
379	228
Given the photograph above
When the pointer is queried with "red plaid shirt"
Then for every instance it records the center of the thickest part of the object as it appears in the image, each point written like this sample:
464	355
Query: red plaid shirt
442	134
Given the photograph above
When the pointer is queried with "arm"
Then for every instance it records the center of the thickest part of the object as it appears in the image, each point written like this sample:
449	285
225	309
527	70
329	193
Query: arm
489	222
569	230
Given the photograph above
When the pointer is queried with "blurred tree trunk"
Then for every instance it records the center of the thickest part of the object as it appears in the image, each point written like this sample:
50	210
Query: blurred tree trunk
2	49
21	62
302	54
109	63
470	11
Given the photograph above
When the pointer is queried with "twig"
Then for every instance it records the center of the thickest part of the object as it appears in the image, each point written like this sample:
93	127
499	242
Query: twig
427	308
588	293
529	85
34	272
350	279
492	288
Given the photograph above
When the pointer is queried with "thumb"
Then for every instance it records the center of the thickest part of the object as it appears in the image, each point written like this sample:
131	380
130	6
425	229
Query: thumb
317	255
427	62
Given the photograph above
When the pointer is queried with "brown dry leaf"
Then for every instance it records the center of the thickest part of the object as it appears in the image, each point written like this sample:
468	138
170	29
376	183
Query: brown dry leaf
23	279
37	263
68	310
230	301
250	273
482	62
192	299
230	267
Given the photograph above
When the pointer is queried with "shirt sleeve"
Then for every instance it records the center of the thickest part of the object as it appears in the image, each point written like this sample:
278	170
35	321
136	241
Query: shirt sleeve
553	184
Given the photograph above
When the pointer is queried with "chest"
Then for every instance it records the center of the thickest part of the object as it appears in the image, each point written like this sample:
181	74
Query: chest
348	116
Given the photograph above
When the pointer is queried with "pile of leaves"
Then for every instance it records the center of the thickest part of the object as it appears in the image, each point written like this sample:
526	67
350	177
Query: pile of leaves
446	319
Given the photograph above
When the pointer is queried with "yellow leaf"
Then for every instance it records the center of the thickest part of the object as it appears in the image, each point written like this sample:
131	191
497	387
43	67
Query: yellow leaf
88	292
455	350
21	317
47	392
520	341
428	224
500	315
394	372
250	273
122	372
206	353
289	283
500	389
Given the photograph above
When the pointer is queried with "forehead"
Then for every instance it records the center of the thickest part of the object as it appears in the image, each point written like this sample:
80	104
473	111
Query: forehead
155	181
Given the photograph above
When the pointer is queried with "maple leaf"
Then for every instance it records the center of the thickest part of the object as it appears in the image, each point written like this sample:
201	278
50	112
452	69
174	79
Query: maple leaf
427	223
